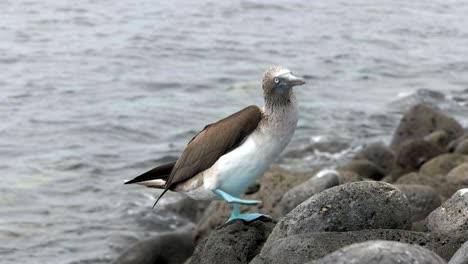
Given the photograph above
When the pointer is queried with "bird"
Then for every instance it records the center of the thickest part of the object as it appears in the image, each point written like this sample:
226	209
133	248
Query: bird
226	157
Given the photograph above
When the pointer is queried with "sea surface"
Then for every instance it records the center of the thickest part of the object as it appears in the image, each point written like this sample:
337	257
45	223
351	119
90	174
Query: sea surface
95	92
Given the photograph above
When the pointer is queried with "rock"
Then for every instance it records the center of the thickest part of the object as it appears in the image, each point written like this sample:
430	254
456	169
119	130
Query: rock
235	242
419	226
462	147
364	168
461	256
170	248
381	252
459	175
442	164
349	176
452	216
439	138
438	182
273	185
305	247
379	154
454	143
412	154
323	180
348	207
422	199
421	120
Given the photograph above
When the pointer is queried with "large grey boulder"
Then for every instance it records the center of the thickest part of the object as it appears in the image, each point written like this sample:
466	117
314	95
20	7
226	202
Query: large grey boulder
170	248
420	121
452	216
321	181
381	252
348	207
461	256
235	242
422	199
310	246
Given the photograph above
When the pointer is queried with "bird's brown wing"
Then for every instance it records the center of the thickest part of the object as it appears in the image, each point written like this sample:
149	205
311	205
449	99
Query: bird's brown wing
212	142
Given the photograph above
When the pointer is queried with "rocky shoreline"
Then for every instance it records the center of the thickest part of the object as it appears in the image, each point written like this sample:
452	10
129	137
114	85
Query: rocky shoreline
402	203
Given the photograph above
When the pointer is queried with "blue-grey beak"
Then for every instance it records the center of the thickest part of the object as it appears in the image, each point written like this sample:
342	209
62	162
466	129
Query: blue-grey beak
292	80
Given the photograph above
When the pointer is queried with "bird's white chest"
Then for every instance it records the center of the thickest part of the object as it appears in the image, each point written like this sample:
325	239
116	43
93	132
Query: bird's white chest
235	171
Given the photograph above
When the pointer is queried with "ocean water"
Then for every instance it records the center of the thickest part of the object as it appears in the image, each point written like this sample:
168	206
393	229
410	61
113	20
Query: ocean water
93	93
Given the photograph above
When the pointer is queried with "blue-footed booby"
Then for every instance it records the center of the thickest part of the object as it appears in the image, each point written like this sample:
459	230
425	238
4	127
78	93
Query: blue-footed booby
226	157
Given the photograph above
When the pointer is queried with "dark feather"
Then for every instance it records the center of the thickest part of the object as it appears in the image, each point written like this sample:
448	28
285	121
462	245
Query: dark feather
212	142
160	172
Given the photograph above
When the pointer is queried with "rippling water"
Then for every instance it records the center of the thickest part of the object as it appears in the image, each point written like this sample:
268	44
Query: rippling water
96	92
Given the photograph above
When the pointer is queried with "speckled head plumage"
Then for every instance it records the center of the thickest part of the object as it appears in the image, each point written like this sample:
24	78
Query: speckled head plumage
277	85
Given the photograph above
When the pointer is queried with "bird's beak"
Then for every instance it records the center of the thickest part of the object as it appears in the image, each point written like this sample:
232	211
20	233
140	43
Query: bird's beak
294	80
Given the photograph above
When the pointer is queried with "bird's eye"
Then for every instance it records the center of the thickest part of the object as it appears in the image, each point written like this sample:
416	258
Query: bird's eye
276	80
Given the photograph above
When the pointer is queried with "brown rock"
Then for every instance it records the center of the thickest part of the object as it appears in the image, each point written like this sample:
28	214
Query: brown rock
349	176
412	154
459	175
379	154
442	164
438	182
364	168
462	147
439	138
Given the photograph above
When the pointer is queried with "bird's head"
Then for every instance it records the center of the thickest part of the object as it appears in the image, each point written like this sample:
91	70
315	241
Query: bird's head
279	80
278	83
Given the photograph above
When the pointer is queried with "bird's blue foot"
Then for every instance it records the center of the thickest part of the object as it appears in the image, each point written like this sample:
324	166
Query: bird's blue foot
247	217
235	207
231	199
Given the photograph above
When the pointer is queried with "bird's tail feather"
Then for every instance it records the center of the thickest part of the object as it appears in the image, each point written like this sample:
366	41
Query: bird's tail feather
155	178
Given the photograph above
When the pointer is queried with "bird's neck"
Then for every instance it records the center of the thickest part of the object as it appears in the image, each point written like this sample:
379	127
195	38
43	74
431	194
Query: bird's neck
279	103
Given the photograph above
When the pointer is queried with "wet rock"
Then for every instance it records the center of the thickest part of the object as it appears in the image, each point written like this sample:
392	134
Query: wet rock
235	242
461	256
452	216
462	147
421	120
412	154
309	246
439	138
379	154
422	199
381	252
351	206
442	164
323	180
273	185
364	168
349	176
170	248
